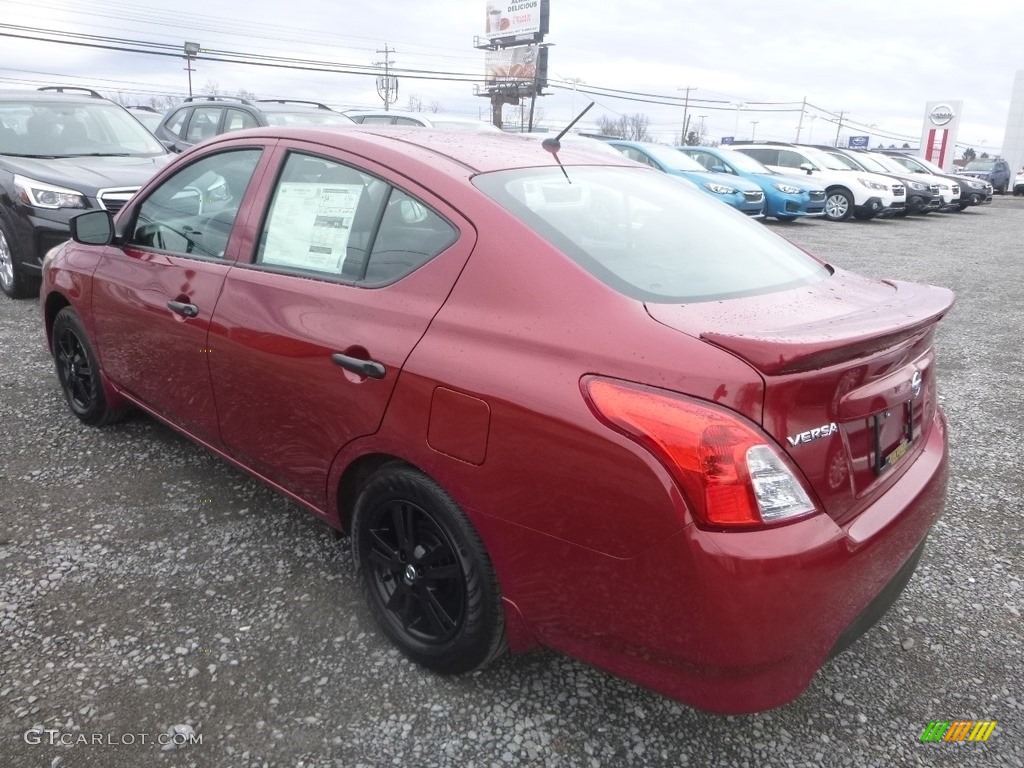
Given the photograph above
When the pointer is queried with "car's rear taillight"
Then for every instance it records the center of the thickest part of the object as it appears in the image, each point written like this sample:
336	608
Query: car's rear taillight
728	470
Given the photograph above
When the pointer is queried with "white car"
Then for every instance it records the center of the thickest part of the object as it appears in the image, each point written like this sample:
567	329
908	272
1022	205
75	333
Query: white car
966	190
1018	183
848	193
948	190
421	119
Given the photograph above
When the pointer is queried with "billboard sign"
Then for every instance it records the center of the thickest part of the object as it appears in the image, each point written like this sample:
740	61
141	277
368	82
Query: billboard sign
727	139
858	142
522	64
511	18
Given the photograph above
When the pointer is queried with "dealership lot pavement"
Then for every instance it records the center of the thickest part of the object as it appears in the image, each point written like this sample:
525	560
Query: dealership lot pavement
147	588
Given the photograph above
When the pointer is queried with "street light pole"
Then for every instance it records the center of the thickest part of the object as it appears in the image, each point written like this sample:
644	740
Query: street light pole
753	129
736	128
191	50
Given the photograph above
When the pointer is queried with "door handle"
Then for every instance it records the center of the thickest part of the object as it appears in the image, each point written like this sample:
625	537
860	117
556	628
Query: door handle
183	309
370	368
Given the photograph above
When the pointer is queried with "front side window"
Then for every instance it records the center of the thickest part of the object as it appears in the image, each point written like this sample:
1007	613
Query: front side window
176	125
762	155
789	159
649	237
204	123
193	212
330	220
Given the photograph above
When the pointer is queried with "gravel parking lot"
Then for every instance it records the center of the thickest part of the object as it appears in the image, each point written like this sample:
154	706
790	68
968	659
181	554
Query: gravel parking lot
147	586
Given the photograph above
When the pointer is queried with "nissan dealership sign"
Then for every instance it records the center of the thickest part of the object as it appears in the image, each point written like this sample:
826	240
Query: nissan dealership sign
938	135
941	114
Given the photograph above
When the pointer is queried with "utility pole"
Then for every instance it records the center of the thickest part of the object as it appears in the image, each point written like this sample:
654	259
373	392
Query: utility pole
839	127
800	125
753	129
686	110
387	86
575	82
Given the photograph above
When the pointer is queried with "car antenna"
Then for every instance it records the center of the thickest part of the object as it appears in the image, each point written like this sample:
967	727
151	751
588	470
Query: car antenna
555	144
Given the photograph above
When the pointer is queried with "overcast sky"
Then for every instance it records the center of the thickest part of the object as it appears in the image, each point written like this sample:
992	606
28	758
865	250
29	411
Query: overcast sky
878	62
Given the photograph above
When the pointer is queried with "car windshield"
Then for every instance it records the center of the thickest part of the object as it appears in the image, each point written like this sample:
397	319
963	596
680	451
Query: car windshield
311	117
980	165
742	162
869	162
847	162
672	158
649	237
891	165
824	159
72	129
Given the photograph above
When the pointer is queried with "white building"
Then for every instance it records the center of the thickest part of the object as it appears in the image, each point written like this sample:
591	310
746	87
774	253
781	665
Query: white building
1013	139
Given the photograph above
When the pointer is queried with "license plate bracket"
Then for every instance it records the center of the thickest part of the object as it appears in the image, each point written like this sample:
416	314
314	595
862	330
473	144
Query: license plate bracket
893	435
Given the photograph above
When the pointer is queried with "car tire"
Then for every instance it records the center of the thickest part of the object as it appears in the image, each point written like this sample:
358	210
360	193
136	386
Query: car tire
838	204
1003	187
14	281
78	371
425	573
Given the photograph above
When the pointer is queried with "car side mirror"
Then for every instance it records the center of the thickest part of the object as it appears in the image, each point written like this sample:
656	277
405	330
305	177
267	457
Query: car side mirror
807	167
93	228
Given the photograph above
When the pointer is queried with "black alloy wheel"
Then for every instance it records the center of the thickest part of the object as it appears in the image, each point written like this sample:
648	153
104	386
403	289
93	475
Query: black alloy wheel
78	371
425	573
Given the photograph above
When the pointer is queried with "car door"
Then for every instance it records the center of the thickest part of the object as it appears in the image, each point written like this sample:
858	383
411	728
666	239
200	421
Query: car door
347	270
155	293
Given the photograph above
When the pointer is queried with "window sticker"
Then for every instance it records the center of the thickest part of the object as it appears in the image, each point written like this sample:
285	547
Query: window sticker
310	224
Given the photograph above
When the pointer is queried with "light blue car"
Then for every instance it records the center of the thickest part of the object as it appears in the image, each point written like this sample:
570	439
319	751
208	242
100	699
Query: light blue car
786	198
741	194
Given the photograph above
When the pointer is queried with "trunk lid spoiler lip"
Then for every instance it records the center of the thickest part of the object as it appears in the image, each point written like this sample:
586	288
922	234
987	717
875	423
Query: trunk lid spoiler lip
909	310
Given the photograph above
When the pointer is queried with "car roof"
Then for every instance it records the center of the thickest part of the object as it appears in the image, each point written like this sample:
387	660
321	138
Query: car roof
13	94
474	152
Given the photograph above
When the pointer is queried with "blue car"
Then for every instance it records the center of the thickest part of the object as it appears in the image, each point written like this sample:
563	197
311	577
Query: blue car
741	194
786	198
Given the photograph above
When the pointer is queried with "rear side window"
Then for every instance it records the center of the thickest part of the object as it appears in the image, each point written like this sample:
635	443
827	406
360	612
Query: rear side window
648	236
331	220
762	154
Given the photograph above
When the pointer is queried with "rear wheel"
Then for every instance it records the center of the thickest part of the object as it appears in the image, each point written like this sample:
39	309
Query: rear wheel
425	573
78	370
14	281
838	205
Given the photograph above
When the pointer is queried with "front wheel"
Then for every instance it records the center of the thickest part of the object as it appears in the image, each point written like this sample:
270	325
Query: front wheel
14	280
425	573
838	205
78	371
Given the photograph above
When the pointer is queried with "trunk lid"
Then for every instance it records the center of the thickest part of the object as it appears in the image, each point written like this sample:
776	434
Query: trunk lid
848	366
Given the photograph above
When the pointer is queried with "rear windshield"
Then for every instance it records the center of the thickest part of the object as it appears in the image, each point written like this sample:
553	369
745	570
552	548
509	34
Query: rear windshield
649	236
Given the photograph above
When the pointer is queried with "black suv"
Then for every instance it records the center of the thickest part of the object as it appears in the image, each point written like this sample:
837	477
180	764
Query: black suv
62	151
200	117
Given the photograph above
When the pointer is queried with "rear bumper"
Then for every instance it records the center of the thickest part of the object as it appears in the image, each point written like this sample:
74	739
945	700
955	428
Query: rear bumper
737	622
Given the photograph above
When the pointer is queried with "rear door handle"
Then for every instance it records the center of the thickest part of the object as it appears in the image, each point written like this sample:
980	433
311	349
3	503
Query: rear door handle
183	309
370	368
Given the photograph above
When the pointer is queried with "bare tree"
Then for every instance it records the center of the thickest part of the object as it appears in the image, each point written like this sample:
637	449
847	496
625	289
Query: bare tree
633	127
212	88
415	103
435	106
244	94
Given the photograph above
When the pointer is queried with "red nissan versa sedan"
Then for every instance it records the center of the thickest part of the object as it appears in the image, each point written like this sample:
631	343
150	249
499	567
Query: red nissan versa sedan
556	398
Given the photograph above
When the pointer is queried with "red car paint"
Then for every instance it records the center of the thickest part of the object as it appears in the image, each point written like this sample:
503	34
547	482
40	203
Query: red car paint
596	547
